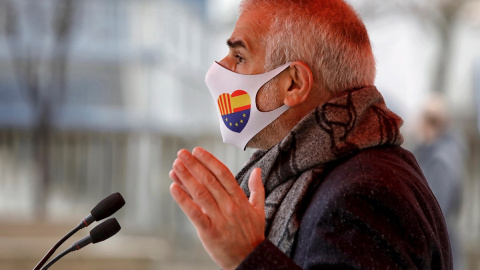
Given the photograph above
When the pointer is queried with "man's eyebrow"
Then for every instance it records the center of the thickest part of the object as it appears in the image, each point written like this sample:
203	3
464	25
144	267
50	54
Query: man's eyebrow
236	43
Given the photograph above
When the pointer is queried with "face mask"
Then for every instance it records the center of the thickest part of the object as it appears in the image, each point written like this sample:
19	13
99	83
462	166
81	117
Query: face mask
235	96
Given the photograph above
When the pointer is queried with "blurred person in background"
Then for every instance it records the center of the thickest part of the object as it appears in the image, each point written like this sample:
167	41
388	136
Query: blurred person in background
330	186
440	154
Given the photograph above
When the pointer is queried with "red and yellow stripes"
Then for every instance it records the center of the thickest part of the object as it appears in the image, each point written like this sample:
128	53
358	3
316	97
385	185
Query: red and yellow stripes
225	104
237	102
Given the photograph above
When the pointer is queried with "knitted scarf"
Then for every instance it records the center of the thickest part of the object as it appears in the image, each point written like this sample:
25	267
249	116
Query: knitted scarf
353	121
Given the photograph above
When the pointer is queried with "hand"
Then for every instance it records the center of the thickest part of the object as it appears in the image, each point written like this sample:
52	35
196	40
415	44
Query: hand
229	224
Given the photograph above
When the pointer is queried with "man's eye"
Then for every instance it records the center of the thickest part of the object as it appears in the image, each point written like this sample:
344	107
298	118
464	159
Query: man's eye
239	58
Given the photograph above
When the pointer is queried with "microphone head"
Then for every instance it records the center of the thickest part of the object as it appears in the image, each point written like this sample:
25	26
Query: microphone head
105	230
107	206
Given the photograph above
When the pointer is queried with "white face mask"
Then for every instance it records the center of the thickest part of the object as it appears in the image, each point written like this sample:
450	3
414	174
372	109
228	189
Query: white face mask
235	95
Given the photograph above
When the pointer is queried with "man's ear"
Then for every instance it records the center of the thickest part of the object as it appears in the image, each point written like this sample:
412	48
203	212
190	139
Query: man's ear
297	84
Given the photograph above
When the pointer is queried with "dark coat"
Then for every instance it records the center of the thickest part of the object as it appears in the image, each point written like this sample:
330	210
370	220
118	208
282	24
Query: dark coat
372	210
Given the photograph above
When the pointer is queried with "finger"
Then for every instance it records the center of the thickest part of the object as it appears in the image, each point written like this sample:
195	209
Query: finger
204	176
257	191
196	190
218	169
188	206
174	177
177	180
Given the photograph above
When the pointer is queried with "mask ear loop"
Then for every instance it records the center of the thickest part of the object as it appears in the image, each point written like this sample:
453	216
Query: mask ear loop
269	80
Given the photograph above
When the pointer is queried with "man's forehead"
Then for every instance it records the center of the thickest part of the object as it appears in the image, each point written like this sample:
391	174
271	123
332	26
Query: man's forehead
241	39
250	28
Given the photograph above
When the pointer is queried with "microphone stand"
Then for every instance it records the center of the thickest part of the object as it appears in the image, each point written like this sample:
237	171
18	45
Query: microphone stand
58	257
58	244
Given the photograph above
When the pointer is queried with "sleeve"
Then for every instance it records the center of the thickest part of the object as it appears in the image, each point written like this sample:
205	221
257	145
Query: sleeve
267	256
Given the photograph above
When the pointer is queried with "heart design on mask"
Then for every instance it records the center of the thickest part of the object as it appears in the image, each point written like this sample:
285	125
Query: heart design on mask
235	109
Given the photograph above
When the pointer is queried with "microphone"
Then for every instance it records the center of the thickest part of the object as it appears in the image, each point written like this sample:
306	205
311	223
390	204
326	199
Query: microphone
105	208
102	232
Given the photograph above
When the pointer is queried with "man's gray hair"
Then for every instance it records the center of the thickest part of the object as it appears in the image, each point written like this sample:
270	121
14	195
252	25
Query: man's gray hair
327	35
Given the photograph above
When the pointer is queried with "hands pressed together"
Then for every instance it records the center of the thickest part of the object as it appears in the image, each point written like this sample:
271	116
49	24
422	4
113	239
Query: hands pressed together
229	224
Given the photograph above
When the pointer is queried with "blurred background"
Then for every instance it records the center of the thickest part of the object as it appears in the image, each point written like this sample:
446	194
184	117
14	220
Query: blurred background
97	96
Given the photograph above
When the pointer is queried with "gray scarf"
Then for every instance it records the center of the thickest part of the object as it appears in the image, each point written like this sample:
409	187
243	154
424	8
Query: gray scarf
356	120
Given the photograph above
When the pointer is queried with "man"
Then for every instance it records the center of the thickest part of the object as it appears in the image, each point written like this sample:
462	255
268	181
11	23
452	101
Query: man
440	155
330	187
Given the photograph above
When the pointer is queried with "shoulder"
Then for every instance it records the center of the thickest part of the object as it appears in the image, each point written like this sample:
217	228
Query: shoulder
389	176
376	164
393	171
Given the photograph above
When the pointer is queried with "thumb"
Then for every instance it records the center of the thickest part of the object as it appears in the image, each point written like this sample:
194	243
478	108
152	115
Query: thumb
257	191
